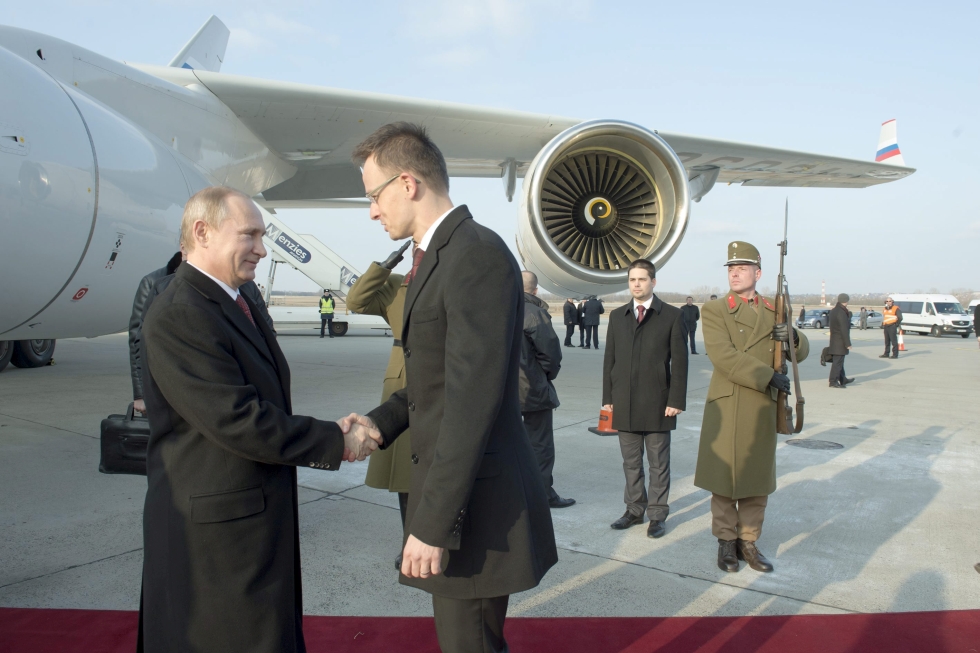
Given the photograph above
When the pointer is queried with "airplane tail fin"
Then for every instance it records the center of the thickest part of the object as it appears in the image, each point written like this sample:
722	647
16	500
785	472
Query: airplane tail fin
888	151
206	49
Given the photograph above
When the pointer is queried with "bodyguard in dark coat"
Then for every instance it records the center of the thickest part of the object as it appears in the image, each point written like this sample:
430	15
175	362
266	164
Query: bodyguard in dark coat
691	316
478	523
644	383
840	341
581	323
590	318
540	363
571	320
136	326
221	569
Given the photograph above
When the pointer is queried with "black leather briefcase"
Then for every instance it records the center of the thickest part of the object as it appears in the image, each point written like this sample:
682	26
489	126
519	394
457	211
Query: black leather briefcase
124	439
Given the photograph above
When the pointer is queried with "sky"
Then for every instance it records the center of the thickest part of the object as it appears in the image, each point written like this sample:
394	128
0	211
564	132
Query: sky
816	77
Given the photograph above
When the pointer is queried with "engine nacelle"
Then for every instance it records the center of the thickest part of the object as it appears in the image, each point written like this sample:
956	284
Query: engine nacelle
599	196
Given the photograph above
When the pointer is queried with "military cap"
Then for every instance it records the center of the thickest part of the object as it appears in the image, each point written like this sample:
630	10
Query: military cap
742	253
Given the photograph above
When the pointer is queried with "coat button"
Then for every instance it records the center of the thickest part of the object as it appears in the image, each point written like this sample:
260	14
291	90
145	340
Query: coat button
312	464
408	352
411	405
415	459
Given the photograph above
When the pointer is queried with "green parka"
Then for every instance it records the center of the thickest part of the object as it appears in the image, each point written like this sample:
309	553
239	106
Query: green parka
737	453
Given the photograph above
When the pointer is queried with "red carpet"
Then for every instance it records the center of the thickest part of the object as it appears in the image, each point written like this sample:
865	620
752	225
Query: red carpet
103	631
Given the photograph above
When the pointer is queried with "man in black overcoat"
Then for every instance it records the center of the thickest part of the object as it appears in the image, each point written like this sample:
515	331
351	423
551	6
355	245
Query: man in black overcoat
644	383
570	311
590	318
840	341
478	526
221	564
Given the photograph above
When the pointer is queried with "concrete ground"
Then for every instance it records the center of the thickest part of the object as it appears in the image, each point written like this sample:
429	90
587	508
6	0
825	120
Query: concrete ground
886	523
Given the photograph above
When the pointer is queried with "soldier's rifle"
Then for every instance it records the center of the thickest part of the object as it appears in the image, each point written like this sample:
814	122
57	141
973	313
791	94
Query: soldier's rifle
784	312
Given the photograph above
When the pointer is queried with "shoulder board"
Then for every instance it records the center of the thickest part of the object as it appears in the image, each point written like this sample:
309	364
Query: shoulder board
731	302
768	305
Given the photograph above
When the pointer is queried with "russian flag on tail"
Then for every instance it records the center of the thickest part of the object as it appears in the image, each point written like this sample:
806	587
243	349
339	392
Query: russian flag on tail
888	151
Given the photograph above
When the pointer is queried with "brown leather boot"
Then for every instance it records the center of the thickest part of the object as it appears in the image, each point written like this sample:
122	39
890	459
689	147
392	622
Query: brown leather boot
748	552
726	556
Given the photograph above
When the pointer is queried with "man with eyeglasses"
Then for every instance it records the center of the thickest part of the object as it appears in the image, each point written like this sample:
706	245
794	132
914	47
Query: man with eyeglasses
478	527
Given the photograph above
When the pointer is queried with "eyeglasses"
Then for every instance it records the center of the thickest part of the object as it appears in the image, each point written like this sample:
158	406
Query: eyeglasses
374	194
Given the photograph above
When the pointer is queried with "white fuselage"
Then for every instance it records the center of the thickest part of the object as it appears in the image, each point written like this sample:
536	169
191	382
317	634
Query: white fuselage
97	159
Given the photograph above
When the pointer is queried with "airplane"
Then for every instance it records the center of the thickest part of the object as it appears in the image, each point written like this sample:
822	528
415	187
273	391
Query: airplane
98	157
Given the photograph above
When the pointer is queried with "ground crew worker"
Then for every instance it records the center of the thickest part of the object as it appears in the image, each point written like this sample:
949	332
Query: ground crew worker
891	322
327	305
737	452
379	292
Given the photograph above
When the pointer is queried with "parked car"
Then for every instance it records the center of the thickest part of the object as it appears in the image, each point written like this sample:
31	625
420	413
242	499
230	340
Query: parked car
936	315
817	318
874	319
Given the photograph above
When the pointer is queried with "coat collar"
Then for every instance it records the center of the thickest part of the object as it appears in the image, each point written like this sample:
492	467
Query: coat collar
200	282
431	258
656	306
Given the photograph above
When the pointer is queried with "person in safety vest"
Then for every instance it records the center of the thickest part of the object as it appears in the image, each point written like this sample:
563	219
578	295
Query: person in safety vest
891	322
327	305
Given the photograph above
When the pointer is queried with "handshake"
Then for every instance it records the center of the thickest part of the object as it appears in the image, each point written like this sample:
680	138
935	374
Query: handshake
361	436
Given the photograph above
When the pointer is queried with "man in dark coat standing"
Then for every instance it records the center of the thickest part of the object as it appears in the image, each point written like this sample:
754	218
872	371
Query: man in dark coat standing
591	311
570	311
644	383
840	341
143	292
540	363
221	564
478	527
691	316
581	324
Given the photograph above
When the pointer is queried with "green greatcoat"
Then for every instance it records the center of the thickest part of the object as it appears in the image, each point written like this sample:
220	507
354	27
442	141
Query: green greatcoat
737	454
379	292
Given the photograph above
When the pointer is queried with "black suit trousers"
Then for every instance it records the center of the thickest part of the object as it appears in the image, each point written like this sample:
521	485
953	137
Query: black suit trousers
691	330
540	431
470	625
837	375
592	335
569	332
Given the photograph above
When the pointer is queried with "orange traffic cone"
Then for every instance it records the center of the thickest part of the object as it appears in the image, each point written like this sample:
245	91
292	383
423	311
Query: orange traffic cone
901	341
605	424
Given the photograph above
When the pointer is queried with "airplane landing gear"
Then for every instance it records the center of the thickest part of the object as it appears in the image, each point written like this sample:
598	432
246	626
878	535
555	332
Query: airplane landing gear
31	353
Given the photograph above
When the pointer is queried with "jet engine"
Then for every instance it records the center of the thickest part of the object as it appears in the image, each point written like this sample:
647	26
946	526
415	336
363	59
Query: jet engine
599	196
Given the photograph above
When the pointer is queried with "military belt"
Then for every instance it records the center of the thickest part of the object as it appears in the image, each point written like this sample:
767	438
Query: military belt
396	343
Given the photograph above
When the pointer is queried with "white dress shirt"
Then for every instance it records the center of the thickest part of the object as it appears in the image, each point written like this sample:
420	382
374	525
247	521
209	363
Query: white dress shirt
427	238
645	305
232	292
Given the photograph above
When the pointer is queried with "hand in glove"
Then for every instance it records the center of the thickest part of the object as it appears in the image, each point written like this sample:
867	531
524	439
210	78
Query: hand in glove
780	382
781	332
396	257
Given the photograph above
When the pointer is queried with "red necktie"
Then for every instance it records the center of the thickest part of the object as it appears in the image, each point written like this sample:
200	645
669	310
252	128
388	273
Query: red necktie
242	305
416	260
640	310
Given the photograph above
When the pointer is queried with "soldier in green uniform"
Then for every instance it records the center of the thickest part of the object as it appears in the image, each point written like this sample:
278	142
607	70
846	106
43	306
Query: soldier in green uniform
737	453
379	292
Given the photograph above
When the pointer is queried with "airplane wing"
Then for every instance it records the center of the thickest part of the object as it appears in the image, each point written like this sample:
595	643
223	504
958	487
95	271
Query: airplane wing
316	129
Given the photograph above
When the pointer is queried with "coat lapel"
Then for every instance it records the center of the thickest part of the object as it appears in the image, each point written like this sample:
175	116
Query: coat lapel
763	325
431	258
231	310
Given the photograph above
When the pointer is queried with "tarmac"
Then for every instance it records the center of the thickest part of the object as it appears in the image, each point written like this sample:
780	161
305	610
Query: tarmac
886	523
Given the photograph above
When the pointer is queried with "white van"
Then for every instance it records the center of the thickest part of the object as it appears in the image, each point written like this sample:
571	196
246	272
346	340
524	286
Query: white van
934	314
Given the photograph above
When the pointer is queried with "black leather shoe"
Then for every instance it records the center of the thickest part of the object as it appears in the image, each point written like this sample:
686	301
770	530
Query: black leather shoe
895	356
586	347
657	528
559	502
884	356
727	560
746	551
628	519
837	386
694	353
846	381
